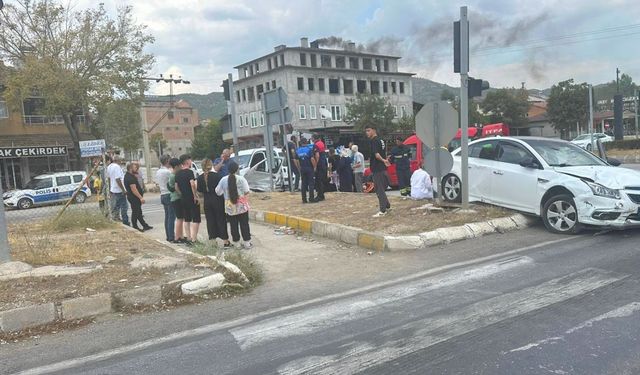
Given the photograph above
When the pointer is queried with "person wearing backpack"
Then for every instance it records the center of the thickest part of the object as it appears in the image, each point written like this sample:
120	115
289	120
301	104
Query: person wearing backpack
306	163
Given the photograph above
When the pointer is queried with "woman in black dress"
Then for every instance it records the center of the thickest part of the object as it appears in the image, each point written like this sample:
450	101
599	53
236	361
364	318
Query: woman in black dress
213	203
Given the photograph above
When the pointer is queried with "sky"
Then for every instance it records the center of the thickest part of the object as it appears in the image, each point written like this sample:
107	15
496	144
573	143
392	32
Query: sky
537	42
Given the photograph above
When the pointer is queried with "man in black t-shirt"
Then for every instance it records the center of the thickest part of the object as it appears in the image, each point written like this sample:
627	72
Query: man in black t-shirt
189	203
379	163
134	196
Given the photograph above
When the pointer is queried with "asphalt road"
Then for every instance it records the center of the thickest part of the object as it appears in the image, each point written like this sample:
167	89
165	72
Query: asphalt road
520	303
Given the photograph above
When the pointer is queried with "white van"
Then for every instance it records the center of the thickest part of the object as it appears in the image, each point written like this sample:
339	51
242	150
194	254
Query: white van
48	188
253	166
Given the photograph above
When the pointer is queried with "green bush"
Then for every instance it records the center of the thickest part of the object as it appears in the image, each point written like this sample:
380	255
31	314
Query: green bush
627	144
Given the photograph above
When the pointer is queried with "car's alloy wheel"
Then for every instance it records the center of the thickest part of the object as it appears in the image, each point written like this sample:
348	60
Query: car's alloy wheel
25	203
560	215
452	188
81	197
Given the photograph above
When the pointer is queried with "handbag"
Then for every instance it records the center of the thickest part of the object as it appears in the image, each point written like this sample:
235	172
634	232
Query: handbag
238	208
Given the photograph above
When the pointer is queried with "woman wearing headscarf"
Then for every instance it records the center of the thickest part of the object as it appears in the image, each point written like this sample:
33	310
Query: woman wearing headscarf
235	189
213	203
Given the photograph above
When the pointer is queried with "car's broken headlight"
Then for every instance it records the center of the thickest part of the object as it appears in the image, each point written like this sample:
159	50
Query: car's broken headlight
603	191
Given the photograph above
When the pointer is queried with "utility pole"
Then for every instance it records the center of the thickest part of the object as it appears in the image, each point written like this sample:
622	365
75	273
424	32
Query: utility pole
592	142
143	117
232	119
5	252
636	99
464	104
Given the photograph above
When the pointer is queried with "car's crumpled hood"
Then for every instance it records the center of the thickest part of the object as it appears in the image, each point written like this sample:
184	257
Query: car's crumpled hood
611	177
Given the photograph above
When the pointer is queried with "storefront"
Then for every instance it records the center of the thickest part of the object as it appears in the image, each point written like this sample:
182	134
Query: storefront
19	164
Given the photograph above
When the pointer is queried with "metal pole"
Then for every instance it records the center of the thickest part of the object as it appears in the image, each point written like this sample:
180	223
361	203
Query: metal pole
232	120
636	102
5	251
285	148
436	128
145	136
268	142
464	104
591	119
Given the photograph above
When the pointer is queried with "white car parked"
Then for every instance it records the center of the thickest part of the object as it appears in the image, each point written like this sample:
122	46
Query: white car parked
48	188
584	140
253	166
557	180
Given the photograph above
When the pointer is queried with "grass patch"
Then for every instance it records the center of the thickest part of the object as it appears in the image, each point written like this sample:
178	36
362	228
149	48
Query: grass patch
248	265
205	248
73	219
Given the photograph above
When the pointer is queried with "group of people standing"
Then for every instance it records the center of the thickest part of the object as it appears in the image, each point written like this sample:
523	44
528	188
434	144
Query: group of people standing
224	200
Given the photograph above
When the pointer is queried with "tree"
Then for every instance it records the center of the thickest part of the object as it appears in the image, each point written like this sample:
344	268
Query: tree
208	142
368	108
608	90
74	60
120	124
157	143
448	96
407	125
506	105
568	104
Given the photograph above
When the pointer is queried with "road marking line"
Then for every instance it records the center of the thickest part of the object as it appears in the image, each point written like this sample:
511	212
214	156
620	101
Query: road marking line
620	312
422	334
360	307
127	349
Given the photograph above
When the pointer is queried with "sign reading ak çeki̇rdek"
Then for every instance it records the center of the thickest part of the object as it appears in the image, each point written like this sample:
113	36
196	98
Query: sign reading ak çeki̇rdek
32	152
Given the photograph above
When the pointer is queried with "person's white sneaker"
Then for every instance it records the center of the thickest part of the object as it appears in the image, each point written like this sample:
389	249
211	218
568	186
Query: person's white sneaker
380	214
248	245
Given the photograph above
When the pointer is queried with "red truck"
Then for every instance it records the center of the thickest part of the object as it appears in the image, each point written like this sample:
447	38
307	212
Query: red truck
415	146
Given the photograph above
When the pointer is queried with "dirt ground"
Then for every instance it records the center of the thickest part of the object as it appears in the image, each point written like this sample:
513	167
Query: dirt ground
80	247
356	209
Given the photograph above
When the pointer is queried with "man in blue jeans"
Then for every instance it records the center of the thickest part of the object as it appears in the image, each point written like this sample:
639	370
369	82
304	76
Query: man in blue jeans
119	204
162	178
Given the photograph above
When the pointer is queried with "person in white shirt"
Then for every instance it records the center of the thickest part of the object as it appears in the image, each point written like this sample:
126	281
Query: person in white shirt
421	187
119	204
162	178
235	189
358	167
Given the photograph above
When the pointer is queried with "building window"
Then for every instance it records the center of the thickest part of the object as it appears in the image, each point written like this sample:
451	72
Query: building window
303	59
312	112
4	112
177	128
366	64
395	111
260	90
310	84
275	61
362	86
300	84
244	95
268	84
314	62
401	87
320	84
385	87
251	94
238	96
269	66
186	133
393	87
322	116
336	114
261	118
403	111
375	87
302	112
170	115
340	62
273	84
378	65
250	70
325	61
282	60
240	121
254	120
386	65
185	120
246	72
257	68
353	63
246	119
334	86
348	86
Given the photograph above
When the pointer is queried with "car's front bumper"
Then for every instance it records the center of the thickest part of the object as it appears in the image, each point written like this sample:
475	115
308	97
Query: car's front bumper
615	213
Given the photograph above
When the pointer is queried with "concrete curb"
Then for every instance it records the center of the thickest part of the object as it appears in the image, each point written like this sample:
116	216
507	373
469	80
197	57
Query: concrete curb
379	242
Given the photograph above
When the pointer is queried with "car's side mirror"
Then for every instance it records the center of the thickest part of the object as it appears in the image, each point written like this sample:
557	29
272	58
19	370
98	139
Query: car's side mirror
614	162
530	163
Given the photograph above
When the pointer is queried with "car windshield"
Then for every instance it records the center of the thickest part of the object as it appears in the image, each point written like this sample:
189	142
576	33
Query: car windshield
563	154
39	183
242	160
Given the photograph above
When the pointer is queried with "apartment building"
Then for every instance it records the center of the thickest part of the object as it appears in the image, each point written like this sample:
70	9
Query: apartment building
319	82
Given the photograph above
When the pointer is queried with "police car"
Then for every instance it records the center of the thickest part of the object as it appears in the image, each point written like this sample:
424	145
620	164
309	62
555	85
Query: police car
48	188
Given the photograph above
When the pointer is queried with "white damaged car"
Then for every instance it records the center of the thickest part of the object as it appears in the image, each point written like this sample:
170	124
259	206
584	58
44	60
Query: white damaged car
562	183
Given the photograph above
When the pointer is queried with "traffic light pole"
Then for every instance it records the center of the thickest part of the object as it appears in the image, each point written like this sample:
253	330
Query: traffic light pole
5	252
464	105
